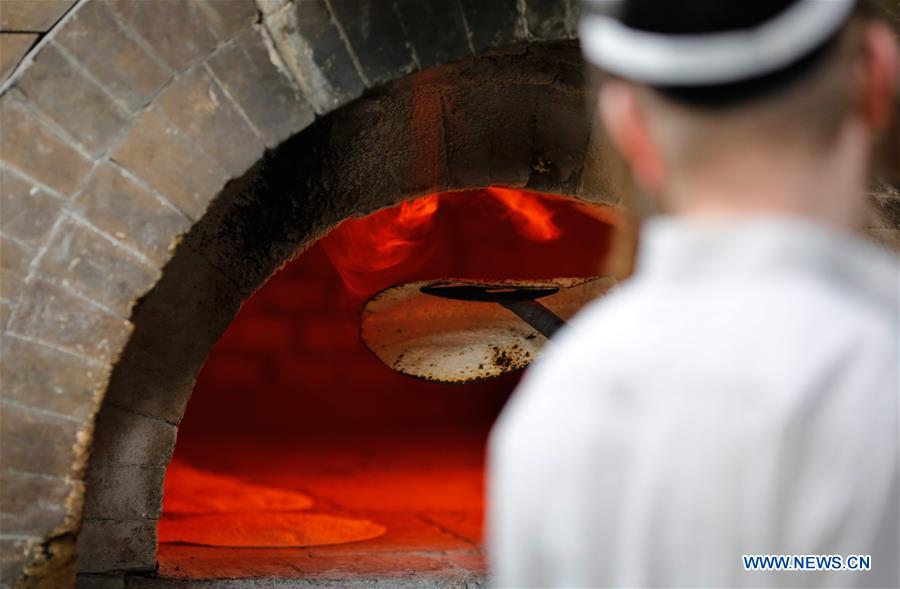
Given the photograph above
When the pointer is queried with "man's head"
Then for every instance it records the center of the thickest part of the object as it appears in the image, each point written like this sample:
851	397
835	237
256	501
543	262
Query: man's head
778	96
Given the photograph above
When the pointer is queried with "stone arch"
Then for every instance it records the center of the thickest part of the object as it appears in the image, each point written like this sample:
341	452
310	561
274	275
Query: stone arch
127	124
412	137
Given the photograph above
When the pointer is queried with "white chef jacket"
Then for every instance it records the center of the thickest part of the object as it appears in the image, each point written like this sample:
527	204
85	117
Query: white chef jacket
738	395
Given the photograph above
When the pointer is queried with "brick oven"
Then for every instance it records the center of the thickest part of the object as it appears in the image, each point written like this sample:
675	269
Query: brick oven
303	455
176	180
321	403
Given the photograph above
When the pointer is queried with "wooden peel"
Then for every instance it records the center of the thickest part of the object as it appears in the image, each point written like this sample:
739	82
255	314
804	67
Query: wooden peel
454	331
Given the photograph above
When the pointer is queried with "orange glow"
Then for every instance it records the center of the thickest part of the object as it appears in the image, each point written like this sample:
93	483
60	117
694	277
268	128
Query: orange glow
386	247
531	217
209	509
414	212
191	490
271	530
423	491
292	418
383	240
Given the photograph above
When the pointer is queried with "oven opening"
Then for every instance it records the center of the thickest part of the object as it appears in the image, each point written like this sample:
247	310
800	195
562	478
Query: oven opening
309	450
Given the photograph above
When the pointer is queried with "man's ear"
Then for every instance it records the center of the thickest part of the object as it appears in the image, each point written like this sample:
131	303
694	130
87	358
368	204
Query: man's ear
627	127
880	75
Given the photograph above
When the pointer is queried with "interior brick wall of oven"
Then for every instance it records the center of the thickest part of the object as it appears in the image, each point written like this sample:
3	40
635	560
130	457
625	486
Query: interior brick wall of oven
291	364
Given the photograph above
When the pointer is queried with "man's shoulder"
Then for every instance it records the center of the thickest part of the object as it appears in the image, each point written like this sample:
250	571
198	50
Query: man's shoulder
613	316
716	326
638	309
593	346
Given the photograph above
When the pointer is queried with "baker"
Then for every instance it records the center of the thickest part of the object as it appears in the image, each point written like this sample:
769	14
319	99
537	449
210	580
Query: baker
737	397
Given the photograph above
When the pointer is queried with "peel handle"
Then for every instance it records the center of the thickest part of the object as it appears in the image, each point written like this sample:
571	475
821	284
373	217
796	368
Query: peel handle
536	315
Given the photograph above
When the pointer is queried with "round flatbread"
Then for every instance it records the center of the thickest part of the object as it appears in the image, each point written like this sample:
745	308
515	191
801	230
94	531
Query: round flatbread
266	530
459	341
192	490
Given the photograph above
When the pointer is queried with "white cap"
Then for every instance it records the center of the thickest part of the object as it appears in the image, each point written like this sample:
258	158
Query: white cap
704	59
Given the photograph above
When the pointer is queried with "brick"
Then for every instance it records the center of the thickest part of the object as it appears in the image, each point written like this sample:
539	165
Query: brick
14	268
468	140
227	18
14	259
263	334
123	438
398	169
315	53
113	58
13	47
270	6
512	138
228	238
39	442
51	379
109	581
304	371
180	34
572	18
268	98
28	15
48	313
178	323
553	162
124	492
436	30
5	312
123	209
377	38
110	545
547	20
11	284
14	553
315	24
96	267
157	152
73	101
144	384
28	211
294	297
27	146
191	293
35	505
325	335
237	372
492	24
199	107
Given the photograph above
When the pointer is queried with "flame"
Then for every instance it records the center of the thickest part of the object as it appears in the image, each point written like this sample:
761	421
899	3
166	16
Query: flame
531	217
413	213
379	242
390	245
391	236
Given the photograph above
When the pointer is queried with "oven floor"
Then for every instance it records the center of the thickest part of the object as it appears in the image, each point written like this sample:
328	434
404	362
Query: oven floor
425	488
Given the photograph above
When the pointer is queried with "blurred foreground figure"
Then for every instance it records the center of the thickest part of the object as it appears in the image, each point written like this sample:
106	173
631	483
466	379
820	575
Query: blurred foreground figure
738	395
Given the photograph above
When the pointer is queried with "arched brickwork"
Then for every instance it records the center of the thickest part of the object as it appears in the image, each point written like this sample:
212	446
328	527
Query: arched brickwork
175	154
498	119
120	127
